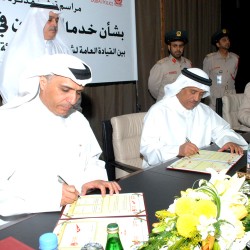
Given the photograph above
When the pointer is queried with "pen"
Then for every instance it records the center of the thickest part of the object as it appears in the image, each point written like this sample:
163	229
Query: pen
191	142
62	180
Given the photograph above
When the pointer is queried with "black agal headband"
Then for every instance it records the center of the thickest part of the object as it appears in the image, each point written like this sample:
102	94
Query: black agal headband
81	74
44	6
196	78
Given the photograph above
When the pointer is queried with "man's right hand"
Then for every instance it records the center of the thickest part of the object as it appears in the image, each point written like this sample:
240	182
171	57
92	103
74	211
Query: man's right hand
69	194
188	149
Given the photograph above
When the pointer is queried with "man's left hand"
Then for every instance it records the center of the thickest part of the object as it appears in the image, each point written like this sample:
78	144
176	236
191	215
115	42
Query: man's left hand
113	187
233	147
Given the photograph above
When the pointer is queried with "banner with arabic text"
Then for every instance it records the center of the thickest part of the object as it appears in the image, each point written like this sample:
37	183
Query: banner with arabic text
101	32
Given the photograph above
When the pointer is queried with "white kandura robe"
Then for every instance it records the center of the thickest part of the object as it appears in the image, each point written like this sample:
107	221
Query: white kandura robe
168	123
35	147
27	45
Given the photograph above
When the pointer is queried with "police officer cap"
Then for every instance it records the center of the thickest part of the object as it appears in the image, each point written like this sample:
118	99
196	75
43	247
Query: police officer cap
176	35
218	35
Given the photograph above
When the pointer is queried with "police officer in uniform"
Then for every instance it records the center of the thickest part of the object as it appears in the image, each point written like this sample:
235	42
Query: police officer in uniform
221	67
168	69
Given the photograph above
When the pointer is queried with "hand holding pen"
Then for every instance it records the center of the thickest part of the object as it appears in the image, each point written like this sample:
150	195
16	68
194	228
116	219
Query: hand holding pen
195	148
68	193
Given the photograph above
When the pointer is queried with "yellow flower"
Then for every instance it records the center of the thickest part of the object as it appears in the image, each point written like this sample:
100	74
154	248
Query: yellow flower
206	208
184	205
162	214
193	221
240	229
158	227
187	225
239	211
184	193
221	186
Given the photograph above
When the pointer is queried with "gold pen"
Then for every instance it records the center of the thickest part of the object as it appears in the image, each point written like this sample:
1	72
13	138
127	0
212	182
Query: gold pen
191	142
63	181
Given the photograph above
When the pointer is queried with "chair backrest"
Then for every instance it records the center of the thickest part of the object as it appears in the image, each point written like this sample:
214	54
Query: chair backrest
126	136
230	107
127	131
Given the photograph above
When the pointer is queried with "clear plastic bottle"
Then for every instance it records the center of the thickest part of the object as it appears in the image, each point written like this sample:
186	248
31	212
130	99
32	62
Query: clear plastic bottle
92	246
113	238
248	159
48	241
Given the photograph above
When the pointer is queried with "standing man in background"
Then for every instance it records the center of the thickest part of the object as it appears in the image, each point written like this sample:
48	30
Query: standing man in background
41	32
168	69
221	67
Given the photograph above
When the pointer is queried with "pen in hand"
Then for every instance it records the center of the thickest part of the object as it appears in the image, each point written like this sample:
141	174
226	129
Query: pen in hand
191	142
63	181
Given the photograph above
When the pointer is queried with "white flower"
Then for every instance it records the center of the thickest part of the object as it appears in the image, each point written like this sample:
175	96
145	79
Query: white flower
225	184
228	235
227	228
170	224
191	193
235	198
219	180
206	227
227	213
197	248
218	176
235	183
171	208
241	243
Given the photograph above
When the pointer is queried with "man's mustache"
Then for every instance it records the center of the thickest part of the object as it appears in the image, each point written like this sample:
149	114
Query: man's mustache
53	28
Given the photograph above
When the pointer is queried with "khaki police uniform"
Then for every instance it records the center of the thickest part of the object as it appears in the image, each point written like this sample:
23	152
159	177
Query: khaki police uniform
165	71
222	71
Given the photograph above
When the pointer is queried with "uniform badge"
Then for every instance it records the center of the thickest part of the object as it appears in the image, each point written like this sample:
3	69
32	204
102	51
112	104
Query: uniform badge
178	33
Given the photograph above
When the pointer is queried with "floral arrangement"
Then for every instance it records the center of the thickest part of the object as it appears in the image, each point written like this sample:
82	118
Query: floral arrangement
214	215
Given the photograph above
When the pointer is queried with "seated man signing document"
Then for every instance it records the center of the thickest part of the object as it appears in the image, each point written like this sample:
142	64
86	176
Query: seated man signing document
180	124
43	137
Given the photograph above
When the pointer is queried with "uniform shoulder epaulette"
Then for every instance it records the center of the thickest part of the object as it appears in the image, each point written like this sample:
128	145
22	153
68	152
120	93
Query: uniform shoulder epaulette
233	54
165	59
210	54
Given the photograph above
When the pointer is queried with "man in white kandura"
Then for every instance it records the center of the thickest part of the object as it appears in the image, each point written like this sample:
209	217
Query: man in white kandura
41	32
180	115
43	137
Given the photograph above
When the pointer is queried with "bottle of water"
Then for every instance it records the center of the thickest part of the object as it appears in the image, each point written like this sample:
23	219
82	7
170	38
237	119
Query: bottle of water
48	241
248	159
92	246
113	238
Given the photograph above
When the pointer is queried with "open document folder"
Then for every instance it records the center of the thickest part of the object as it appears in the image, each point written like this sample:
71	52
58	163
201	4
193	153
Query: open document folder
86	220
206	159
